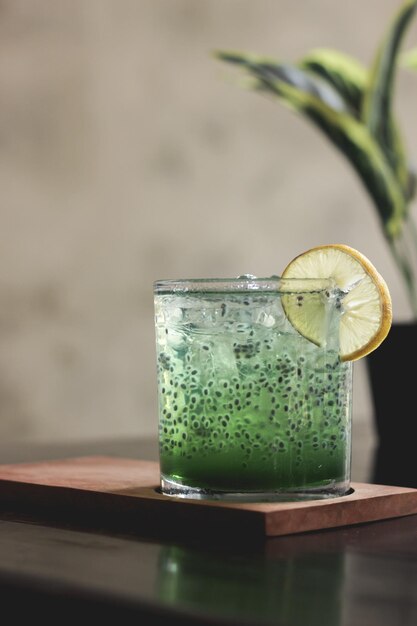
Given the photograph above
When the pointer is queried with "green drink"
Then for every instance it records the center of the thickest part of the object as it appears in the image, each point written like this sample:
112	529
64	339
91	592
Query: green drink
249	407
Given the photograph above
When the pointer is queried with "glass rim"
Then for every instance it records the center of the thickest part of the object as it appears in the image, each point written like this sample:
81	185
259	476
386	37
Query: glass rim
245	283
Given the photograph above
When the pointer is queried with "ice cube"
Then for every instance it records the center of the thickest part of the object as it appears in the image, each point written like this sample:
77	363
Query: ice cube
265	319
176	340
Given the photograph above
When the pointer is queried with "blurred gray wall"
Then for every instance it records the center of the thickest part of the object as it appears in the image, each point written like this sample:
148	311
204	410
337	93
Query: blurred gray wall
127	154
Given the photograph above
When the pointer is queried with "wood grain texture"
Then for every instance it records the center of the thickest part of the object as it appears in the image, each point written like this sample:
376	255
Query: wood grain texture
122	493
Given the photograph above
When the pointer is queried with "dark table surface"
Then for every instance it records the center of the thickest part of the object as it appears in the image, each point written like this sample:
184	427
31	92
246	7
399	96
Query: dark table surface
362	575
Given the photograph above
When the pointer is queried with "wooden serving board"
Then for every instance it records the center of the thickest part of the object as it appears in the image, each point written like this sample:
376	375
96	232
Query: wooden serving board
119	493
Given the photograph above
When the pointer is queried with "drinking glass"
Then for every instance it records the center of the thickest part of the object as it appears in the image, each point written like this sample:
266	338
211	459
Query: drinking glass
250	408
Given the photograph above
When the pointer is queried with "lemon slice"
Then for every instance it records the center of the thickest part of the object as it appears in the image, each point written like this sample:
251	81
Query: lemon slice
366	307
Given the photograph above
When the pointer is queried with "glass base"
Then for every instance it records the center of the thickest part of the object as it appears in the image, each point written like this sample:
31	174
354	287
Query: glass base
332	490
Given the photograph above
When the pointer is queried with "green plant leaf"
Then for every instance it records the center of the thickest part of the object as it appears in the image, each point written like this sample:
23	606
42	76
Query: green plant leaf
293	87
377	102
379	91
350	79
270	69
341	71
